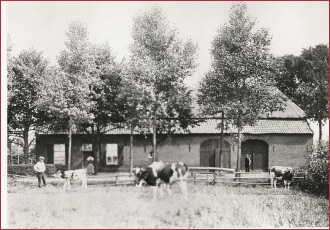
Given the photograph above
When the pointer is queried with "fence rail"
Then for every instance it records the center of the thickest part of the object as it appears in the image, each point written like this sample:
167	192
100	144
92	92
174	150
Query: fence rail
197	175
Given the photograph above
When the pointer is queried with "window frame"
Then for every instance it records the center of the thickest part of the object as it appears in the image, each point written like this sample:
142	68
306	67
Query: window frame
111	154
55	152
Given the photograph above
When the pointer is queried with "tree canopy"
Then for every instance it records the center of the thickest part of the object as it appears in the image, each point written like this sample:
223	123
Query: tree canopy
304	79
242	74
158	64
25	73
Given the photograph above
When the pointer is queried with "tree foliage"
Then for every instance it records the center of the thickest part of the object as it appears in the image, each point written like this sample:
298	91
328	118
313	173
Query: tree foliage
25	74
242	74
158	65
304	80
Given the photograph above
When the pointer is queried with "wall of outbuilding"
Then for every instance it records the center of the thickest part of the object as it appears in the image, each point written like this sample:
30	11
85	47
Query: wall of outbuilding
283	149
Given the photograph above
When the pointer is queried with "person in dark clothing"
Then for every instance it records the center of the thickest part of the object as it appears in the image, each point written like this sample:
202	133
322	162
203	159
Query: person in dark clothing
247	162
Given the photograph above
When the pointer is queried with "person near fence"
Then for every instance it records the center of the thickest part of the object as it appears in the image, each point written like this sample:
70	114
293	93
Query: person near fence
40	169
247	162
90	165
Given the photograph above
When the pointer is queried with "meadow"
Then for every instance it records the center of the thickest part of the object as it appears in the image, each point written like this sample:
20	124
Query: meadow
102	206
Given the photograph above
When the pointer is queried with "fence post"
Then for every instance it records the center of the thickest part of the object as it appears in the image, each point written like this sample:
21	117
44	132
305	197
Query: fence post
116	179
194	178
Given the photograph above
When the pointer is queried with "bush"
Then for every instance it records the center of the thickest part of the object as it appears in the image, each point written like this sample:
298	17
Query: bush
317	179
27	169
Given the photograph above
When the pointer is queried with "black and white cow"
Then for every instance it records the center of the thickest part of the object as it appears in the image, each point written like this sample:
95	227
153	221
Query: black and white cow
74	175
281	173
159	173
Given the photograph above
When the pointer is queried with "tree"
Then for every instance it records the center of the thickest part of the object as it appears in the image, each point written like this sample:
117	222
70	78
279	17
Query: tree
10	65
159	62
105	92
67	91
25	74
242	74
304	80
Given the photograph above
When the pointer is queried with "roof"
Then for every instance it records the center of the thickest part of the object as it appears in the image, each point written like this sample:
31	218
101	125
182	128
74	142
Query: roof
291	110
263	126
290	121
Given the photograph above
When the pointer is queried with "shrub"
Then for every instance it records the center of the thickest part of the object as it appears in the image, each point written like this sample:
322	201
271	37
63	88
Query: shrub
27	169
317	179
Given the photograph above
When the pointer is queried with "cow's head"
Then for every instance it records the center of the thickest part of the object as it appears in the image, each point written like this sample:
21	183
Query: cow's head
288	173
140	174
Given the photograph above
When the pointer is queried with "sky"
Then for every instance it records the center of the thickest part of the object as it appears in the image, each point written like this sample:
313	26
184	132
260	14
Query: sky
293	25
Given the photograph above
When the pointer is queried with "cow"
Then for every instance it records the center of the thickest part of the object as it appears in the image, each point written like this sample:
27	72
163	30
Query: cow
281	173
159	173
77	174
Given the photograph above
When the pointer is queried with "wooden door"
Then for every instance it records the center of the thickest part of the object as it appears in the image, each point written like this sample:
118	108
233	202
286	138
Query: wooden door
259	155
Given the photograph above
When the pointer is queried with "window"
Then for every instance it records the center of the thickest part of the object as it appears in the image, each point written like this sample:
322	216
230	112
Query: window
112	154
87	147
59	154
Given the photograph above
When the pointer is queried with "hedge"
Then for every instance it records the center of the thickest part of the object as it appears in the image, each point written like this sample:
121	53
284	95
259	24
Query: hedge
27	169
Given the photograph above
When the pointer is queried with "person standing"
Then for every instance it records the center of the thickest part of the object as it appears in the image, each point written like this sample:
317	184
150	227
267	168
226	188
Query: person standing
90	165
247	162
40	169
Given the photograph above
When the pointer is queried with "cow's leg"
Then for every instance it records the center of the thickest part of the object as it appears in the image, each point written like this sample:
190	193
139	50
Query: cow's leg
84	182
184	189
64	185
160	190
168	189
275	181
155	190
68	182
287	184
271	181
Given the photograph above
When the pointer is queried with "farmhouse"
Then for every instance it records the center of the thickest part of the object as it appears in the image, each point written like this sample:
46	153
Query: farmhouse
282	138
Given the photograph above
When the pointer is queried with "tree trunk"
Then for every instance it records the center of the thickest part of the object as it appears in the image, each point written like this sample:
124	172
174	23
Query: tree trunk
97	149
131	149
154	140
320	129
26	144
11	155
238	165
94	144
70	143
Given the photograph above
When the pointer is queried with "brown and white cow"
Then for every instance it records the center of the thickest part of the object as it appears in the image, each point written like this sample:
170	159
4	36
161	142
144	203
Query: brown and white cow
159	173
74	175
281	173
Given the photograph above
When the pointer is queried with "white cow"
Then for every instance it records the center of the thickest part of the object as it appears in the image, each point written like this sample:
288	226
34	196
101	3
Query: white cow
74	175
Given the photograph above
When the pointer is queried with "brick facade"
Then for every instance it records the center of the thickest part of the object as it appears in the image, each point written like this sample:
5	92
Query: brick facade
283	149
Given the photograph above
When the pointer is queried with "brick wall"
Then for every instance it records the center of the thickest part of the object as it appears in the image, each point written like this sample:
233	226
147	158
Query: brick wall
288	150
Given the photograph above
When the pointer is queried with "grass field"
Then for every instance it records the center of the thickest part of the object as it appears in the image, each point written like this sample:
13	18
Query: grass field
132	207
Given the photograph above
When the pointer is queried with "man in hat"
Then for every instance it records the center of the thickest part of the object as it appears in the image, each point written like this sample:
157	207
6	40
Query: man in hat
247	162
40	169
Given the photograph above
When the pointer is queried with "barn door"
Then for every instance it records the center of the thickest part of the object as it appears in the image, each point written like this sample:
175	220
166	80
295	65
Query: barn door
259	155
207	153
210	154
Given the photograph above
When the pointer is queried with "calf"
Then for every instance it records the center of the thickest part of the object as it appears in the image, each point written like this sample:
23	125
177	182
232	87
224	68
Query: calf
280	173
78	174
158	173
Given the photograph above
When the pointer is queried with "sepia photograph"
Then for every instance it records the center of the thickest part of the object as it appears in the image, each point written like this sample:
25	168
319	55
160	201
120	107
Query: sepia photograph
164	114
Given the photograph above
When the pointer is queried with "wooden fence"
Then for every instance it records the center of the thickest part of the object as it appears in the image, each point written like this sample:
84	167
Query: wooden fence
197	176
